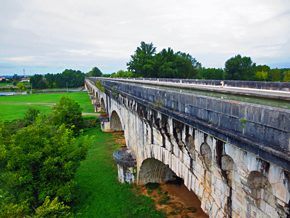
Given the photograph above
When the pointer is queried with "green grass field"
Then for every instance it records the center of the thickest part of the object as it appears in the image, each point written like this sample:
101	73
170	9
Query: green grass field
99	194
15	111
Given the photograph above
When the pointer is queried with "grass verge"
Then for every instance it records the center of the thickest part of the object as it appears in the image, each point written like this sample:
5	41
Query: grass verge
99	193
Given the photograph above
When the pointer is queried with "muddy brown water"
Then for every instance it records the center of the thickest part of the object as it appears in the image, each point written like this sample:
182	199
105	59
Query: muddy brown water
181	202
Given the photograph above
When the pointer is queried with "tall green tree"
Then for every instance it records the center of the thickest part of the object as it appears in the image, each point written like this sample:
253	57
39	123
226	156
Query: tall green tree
240	68
274	75
95	72
142	62
286	76
68	112
262	75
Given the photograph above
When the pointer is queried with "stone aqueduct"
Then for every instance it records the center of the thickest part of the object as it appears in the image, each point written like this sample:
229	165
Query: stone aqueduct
231	173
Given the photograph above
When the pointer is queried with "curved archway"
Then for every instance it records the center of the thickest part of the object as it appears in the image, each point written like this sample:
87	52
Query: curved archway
206	153
103	106
115	122
259	185
155	171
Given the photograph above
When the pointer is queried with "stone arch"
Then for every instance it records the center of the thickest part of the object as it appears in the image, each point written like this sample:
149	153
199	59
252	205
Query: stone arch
153	170
103	105
115	122
206	153
259	185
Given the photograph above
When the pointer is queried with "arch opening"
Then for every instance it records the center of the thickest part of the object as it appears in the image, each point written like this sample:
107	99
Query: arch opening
154	171
103	106
115	122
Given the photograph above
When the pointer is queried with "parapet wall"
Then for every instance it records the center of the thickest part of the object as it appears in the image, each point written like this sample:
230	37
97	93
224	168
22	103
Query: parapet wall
263	130
282	86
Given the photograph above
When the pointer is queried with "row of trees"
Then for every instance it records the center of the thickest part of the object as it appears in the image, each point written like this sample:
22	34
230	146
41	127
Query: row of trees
168	64
38	162
68	78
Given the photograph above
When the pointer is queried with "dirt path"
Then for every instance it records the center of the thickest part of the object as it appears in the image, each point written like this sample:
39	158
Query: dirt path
93	114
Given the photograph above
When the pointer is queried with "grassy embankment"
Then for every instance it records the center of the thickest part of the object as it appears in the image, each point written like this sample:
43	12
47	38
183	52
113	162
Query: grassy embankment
99	194
16	111
98	190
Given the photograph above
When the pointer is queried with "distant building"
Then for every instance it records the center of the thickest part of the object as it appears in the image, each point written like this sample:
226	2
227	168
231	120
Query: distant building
25	80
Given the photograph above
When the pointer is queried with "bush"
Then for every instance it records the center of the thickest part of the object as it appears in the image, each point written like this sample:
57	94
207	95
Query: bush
30	116
68	112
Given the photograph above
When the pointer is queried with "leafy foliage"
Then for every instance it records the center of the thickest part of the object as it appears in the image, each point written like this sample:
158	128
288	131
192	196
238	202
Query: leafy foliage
39	161
239	68
95	72
286	76
30	115
211	73
262	75
68	112
165	64
70	78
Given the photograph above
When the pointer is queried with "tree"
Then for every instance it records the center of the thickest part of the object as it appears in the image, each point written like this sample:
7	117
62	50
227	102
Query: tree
142	62
95	72
286	76
20	86
30	116
39	161
211	73
68	112
274	75
238	68
122	73
262	75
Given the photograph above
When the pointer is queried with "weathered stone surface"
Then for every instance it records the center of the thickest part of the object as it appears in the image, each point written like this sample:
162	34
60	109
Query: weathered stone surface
221	172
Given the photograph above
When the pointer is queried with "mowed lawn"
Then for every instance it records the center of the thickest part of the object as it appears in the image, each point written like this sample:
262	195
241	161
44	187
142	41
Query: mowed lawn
16	111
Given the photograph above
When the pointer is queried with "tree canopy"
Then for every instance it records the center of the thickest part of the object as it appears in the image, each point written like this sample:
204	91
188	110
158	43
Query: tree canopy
165	64
38	161
69	113
239	68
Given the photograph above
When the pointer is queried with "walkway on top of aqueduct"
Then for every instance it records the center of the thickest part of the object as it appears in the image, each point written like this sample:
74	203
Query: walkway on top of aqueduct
233	155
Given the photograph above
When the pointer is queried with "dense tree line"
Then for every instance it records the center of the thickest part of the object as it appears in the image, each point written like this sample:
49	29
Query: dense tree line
145	62
38	161
68	78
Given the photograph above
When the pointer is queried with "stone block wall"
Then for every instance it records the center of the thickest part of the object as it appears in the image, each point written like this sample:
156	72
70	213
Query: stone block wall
228	180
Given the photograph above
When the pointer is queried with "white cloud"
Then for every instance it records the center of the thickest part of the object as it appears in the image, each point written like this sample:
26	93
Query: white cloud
84	34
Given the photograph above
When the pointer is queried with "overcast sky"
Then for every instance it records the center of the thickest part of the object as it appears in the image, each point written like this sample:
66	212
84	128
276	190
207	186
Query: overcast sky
51	36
